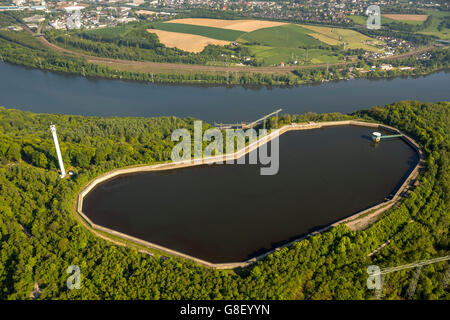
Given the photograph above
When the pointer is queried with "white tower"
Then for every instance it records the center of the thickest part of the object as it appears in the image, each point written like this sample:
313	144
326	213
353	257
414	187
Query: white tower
58	151
376	136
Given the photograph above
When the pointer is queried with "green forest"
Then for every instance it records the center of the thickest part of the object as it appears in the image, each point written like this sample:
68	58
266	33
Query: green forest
40	235
132	42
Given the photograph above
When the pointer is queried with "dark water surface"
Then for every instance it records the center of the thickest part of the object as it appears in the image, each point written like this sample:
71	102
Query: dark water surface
46	92
227	213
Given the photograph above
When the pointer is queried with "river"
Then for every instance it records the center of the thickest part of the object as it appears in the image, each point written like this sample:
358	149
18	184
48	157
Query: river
47	92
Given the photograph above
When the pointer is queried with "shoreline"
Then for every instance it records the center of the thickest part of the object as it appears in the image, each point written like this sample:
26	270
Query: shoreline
193	74
206	84
379	208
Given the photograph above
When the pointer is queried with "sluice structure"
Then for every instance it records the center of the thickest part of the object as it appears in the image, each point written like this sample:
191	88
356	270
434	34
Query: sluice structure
376	136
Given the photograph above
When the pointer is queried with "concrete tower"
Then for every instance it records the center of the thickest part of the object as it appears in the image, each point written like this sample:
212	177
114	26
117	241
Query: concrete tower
376	136
58	151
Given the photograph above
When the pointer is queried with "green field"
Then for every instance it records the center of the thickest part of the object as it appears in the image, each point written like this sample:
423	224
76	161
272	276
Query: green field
339	36
287	36
384	20
387	20
275	55
438	17
358	19
288	43
269	46
210	32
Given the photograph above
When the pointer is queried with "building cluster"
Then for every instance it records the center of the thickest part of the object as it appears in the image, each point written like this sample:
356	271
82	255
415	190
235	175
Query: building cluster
106	13
318	11
76	15
424	56
383	67
72	15
19	5
323	11
391	47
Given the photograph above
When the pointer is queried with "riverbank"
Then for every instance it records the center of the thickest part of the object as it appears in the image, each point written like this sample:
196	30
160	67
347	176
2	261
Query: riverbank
97	68
35	51
238	154
28	89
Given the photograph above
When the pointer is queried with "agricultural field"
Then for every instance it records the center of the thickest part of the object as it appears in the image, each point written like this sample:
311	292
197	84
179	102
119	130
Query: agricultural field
335	36
270	56
240	25
186	42
251	42
209	32
269	43
385	19
439	27
286	36
407	17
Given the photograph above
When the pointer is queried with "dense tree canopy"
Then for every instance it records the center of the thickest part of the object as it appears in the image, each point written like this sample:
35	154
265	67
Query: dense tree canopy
40	236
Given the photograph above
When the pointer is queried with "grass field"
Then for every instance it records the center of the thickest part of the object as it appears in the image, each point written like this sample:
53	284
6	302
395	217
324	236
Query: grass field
437	17
335	36
287	36
287	43
384	20
209	32
275	55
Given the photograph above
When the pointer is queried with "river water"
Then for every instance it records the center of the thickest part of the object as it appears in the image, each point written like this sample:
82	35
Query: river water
47	92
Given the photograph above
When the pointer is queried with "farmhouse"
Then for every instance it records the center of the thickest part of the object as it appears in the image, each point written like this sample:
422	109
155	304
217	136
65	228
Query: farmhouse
386	67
